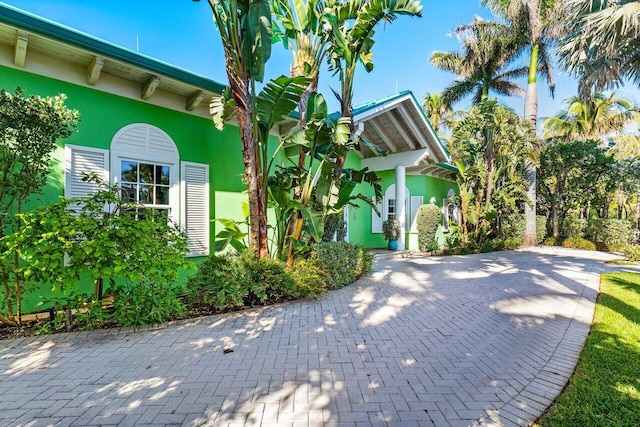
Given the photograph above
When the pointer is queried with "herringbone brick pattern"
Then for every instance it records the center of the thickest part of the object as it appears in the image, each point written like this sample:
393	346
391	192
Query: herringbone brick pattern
488	339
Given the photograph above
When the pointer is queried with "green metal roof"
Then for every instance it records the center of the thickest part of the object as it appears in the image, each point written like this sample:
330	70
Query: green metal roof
36	24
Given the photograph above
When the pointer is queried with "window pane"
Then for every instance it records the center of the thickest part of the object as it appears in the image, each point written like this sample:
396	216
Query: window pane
146	194
129	171
162	195
146	173
129	192
162	175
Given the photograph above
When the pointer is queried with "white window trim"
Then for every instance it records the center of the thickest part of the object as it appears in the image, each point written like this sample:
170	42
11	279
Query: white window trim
147	155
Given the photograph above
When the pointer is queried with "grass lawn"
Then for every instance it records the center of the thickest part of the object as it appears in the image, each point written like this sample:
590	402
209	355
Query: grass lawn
605	389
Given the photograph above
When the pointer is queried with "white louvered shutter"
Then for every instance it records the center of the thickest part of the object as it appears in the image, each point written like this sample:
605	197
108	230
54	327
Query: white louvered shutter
416	202
195	207
376	221
79	160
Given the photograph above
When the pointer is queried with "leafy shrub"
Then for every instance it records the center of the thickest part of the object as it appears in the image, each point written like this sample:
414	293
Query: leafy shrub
574	227
128	243
343	263
514	227
428	219
492	246
553	241
267	279
145	303
228	281
391	229
309	277
541	227
632	252
606	233
218	282
334	227
511	244
579	243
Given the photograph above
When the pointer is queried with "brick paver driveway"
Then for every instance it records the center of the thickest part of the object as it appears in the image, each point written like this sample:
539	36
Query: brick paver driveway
486	339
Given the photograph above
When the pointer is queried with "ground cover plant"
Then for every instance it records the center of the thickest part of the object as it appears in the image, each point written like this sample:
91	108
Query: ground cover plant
605	389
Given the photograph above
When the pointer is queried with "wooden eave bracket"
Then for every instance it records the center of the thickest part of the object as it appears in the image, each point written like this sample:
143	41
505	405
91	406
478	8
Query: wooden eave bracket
195	99
150	86
94	69
22	40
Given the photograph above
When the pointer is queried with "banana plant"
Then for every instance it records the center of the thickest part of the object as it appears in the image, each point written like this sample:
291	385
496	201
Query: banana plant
351	44
245	32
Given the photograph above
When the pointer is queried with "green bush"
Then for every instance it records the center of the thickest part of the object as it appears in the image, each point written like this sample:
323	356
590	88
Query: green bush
334	227
607	233
632	252
492	246
574	227
145	303
309	277
541	227
391	229
267	279
553	241
428	219
227	282
343	263
514	227
218	282
579	243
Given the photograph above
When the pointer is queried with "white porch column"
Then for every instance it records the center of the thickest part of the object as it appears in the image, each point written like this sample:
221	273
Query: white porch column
401	205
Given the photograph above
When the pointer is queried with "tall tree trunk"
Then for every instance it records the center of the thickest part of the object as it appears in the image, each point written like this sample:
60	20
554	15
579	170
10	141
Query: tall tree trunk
531	114
252	173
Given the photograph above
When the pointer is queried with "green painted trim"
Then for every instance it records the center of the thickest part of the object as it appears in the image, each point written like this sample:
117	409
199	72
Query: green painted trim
29	22
448	166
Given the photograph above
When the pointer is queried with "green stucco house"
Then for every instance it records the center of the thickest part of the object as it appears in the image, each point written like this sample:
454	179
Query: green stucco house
145	125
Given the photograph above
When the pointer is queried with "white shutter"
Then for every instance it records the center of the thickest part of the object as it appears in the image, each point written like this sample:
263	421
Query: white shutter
79	160
376	221
416	202
195	207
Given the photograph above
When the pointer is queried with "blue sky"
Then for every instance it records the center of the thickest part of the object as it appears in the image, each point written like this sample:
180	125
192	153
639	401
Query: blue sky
182	33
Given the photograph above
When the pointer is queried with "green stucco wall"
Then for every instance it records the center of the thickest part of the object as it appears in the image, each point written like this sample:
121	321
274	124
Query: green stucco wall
418	185
103	114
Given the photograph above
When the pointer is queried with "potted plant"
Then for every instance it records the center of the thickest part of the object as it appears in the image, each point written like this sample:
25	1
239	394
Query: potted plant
391	230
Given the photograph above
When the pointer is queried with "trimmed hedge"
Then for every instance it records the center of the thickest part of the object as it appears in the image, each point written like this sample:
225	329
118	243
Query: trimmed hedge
579	243
513	228
343	263
605	233
428	219
574	227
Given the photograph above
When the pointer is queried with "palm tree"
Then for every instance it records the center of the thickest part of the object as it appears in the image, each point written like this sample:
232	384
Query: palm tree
538	21
593	118
245	31
351	44
439	114
481	66
602	46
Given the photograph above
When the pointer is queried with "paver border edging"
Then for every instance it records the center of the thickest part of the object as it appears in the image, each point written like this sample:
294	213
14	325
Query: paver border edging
536	398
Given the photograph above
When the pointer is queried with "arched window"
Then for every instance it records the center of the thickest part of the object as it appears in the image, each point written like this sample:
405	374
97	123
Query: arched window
145	162
389	209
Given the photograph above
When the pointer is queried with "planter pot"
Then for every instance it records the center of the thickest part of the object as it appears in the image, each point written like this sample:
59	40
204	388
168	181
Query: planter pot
393	245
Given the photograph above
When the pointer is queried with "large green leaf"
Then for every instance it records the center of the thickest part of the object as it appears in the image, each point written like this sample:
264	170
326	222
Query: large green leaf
313	221
222	108
277	100
257	41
